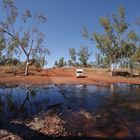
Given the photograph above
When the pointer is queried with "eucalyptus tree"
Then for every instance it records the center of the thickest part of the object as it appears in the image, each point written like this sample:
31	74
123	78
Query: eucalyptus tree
72	53
99	59
56	64
112	41
70	63
62	62
40	57
115	42
84	55
22	31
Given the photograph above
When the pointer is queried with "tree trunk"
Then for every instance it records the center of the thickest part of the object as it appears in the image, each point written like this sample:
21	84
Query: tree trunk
131	68
14	72
27	67
111	68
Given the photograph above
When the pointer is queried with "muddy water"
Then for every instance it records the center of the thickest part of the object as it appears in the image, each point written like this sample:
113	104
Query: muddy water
88	110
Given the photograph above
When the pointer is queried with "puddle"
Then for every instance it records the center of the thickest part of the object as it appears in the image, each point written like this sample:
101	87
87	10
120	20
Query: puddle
88	110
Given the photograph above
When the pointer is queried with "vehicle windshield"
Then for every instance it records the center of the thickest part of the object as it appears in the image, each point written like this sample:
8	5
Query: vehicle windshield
79	72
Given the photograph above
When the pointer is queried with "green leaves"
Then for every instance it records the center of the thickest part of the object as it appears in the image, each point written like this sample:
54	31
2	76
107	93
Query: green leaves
105	22
115	43
137	54
83	55
121	12
72	53
60	63
133	36
119	19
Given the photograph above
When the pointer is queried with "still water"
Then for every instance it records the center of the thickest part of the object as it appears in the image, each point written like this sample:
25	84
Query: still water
111	107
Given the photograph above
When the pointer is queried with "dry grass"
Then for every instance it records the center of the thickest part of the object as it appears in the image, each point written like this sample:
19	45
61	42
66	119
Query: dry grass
6	69
34	68
97	69
19	69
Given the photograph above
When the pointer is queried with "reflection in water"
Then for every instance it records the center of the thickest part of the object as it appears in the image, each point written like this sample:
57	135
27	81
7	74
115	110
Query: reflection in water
108	110
111	88
20	102
27	101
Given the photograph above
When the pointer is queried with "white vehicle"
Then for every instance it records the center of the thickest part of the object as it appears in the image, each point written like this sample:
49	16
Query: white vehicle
79	73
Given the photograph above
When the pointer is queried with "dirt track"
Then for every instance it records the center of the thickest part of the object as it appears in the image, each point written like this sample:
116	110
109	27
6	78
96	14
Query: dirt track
67	76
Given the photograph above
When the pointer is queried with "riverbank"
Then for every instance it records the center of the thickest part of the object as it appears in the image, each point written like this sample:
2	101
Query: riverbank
67	76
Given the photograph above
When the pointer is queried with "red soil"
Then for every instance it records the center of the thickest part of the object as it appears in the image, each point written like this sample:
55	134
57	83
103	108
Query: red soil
67	76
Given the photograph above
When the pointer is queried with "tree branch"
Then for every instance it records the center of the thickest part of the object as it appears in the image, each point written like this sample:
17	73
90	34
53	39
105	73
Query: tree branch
16	40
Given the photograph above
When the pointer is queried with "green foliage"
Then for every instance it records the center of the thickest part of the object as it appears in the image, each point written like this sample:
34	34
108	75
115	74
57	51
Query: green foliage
2	45
105	22
137	54
114	43
120	24
72	53
133	36
127	50
8	61
60	63
70	63
83	56
56	63
99	59
105	62
40	56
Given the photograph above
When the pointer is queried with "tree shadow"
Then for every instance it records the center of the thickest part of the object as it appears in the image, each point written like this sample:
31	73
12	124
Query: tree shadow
84	76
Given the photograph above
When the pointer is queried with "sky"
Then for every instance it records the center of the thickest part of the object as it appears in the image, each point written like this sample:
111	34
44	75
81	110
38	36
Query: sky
66	19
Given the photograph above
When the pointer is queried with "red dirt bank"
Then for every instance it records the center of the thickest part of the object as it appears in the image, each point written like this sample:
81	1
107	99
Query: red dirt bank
67	76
